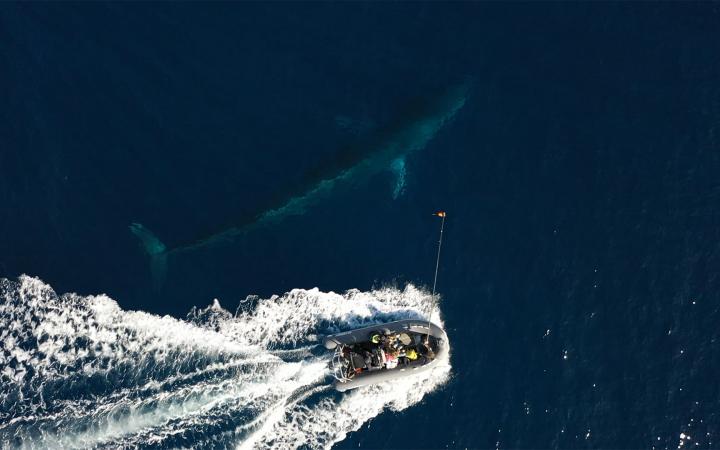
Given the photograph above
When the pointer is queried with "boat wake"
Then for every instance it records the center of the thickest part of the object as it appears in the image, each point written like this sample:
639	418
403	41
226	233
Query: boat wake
80	372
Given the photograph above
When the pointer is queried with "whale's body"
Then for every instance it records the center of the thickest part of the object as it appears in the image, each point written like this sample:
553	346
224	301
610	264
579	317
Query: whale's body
385	149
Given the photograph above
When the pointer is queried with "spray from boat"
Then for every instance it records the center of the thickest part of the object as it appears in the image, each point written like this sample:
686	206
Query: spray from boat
81	372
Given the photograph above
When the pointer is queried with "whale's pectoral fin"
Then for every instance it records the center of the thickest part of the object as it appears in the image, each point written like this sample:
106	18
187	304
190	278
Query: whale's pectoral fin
157	252
399	171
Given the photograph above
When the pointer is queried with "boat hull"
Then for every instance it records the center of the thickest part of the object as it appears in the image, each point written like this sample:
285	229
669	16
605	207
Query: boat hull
413	327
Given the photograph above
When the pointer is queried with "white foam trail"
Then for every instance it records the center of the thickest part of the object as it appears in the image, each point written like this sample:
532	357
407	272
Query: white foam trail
81	372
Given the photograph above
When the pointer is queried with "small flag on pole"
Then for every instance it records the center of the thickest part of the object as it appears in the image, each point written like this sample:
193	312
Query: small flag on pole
440	214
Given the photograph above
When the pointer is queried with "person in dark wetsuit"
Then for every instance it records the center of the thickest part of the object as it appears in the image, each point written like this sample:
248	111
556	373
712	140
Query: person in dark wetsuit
426	352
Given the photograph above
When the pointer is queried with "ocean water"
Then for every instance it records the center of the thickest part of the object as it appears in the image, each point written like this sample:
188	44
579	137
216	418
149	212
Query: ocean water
579	275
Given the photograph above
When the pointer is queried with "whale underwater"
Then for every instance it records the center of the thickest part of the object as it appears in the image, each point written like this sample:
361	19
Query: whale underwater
386	149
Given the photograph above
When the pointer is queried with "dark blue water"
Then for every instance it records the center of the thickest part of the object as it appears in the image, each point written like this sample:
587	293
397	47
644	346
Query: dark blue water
582	183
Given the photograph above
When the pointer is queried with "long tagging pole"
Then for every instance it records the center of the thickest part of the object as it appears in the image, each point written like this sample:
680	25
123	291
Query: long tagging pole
441	214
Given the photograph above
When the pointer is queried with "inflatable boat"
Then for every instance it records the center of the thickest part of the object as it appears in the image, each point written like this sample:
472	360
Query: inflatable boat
385	352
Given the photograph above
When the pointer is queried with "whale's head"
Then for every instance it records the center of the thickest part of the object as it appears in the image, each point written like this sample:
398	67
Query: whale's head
434	115
451	101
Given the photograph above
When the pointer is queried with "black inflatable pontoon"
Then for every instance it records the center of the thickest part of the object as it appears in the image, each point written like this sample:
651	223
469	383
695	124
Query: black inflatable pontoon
385	352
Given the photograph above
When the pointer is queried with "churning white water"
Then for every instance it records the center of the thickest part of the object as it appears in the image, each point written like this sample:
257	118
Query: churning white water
78	372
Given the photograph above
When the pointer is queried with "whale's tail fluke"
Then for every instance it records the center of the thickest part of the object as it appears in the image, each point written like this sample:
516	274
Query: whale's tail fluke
157	252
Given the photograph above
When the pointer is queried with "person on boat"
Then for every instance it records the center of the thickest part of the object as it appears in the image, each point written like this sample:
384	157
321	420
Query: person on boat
391	358
376	359
393	341
408	355
426	351
411	354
